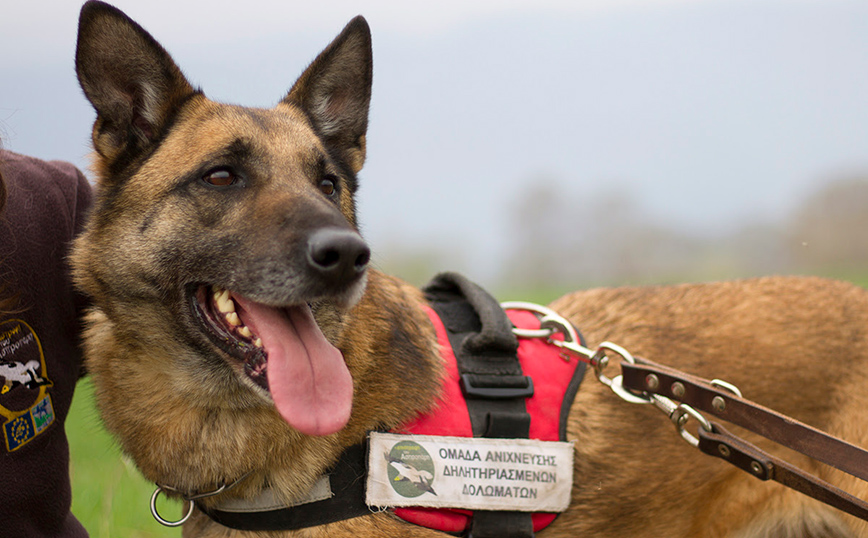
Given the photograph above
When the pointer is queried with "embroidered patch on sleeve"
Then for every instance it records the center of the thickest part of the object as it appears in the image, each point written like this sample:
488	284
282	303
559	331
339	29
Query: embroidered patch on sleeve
471	473
25	404
25	427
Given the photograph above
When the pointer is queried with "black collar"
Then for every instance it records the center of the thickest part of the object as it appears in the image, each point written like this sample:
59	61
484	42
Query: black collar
345	482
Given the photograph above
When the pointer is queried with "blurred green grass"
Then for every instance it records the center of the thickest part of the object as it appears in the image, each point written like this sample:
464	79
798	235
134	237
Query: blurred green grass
109	496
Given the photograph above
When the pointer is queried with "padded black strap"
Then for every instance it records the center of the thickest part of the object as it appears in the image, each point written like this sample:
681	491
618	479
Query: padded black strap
471	310
492	381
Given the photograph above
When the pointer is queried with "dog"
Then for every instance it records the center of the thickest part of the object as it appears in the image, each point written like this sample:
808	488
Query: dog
239	335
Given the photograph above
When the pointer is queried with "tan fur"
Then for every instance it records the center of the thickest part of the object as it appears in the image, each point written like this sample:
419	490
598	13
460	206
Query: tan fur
798	345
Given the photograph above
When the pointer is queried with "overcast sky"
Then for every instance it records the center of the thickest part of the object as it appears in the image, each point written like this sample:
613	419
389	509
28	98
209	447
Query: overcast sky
712	113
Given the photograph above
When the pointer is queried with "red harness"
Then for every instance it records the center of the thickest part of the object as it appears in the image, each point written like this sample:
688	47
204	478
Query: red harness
553	374
555	380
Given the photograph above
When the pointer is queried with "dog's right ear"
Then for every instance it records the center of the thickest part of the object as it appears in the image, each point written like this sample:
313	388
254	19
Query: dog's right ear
129	79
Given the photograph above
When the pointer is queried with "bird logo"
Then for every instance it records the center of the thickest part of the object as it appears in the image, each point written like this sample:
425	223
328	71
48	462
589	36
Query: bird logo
410	469
419	478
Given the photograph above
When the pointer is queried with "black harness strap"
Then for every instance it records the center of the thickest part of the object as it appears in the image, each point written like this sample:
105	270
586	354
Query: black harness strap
492	381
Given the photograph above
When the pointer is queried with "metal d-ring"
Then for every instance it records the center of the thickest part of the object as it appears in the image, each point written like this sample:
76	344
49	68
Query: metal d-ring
681	415
551	323
721	384
189	499
166	522
542	332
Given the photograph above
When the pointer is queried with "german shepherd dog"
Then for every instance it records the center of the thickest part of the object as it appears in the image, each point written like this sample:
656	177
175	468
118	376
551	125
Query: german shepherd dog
238	329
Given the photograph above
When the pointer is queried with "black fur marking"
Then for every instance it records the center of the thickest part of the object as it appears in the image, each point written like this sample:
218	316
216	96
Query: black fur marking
404	349
256	116
148	220
334	155
127	165
132	157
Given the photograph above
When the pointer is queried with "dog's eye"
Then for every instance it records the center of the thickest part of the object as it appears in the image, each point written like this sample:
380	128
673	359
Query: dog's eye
221	177
327	185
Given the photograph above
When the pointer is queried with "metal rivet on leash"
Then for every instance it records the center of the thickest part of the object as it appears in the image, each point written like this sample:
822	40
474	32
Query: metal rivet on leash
652	382
756	467
719	404
724	450
166	522
677	389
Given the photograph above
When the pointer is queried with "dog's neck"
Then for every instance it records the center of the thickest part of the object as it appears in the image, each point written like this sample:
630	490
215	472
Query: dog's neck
387	331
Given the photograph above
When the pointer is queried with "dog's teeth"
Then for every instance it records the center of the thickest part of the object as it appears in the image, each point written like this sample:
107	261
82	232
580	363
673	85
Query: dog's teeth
224	303
233	319
258	342
244	331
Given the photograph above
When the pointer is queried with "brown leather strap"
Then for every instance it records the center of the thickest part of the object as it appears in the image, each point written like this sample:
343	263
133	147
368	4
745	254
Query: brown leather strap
722	444
701	395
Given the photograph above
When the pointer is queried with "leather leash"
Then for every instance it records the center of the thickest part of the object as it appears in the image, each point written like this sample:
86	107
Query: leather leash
645	382
645	377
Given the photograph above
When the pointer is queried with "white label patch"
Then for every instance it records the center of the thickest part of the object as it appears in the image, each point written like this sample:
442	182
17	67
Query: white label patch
522	475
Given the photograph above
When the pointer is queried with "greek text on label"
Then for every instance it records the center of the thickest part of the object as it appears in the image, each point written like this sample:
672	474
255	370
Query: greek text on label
498	456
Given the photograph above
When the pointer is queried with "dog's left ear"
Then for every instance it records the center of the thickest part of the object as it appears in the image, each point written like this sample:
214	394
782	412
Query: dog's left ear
335	92
131	81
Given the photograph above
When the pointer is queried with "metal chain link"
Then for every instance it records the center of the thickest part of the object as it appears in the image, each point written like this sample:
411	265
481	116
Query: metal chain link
552	323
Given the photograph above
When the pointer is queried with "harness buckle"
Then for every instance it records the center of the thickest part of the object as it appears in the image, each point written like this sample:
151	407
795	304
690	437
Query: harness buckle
496	387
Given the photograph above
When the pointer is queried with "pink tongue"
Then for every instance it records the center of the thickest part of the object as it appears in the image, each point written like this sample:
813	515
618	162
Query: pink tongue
307	376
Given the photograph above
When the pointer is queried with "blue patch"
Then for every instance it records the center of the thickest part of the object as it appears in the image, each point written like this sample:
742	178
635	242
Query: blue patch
19	430
23	428
43	414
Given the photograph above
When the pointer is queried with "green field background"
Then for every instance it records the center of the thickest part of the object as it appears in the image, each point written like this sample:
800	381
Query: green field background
109	496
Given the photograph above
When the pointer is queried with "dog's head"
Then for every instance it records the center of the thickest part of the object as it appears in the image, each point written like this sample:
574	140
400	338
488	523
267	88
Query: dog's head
230	228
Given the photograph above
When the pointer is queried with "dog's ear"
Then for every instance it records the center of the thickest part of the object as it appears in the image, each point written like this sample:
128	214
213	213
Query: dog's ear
335	92
128	77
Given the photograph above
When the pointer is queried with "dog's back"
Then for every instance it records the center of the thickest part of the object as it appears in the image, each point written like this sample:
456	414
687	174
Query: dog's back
796	345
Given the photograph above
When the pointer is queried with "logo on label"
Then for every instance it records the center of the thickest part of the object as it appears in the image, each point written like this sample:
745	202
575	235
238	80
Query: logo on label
25	404
411	469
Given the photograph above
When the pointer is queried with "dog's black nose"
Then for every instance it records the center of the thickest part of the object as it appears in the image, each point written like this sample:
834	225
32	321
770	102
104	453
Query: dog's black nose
338	254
